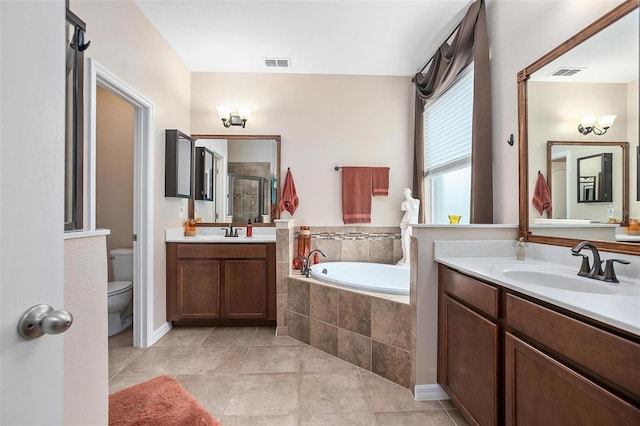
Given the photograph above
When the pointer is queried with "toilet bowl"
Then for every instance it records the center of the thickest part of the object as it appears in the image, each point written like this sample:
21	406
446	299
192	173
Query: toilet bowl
120	291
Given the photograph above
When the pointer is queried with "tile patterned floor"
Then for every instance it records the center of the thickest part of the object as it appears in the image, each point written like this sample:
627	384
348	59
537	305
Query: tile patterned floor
248	376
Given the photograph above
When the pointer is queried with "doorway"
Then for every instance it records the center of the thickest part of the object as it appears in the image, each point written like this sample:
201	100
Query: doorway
142	236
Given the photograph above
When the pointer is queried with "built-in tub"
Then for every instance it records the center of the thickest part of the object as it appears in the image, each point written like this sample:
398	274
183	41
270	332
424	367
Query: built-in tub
376	277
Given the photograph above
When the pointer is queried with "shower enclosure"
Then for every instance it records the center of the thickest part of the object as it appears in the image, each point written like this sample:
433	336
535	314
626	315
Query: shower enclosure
249	197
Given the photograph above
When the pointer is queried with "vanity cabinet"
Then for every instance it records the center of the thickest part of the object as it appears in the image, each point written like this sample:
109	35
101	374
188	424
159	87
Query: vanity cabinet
508	358
468	345
221	284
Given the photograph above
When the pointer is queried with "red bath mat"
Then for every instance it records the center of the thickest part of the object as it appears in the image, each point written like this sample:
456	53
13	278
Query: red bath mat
157	402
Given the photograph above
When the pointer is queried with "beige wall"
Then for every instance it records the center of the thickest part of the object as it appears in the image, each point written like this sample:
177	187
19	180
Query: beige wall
125	43
86	372
325	121
114	169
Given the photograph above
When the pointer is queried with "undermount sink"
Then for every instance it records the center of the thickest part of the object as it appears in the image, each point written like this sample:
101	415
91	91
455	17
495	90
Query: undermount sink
554	278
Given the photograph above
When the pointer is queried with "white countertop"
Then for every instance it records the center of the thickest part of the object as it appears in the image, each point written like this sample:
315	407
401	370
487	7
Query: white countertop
216	235
620	309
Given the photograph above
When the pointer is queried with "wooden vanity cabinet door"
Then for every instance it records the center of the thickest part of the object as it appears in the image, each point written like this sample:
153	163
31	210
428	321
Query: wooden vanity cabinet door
541	391
245	289
198	289
469	361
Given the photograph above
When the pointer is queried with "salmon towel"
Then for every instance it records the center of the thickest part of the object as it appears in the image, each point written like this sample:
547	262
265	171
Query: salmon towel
357	185
289	200
380	180
157	402
541	195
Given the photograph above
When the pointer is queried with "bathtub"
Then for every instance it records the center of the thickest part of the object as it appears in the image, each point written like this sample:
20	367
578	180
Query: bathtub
376	277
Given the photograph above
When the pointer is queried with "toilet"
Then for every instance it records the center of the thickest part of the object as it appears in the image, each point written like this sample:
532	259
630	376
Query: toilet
120	290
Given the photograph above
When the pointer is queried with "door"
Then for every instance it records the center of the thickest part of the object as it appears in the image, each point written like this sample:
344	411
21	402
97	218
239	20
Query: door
31	206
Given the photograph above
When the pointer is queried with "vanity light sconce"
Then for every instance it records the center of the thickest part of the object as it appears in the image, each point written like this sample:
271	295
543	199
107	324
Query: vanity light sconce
232	118
598	126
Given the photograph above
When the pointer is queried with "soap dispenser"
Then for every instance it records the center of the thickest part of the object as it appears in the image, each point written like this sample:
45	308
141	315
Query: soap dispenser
249	232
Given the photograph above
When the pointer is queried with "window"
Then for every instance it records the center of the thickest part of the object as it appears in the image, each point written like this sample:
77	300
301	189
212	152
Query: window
447	147
74	136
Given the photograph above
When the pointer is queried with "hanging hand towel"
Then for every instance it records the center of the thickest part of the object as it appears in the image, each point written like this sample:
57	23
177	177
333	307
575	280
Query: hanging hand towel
289	200
356	194
541	195
380	180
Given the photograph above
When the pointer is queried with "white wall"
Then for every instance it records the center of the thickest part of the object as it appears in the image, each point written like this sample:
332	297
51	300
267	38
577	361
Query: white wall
86	361
125	43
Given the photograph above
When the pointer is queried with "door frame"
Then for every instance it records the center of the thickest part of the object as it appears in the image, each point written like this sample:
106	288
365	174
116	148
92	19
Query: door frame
143	197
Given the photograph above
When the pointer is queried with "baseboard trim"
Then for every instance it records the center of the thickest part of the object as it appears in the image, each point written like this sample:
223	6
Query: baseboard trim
429	393
159	332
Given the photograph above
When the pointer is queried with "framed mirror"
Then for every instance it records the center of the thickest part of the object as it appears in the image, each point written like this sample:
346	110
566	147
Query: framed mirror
248	179
554	94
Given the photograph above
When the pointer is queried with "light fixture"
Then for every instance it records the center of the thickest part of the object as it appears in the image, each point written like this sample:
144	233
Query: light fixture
232	118
598	126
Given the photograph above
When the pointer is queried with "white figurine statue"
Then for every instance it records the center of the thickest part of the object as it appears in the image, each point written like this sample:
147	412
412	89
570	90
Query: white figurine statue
410	206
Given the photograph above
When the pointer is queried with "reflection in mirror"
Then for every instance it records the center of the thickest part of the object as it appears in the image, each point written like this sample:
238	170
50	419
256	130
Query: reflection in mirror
551	103
204	177
594	178
249	168
578	186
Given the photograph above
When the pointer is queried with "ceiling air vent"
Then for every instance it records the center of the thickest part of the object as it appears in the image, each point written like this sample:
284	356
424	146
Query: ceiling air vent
277	62
566	72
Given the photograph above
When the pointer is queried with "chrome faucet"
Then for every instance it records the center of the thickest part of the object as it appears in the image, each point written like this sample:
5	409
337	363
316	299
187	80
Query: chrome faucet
306	263
595	272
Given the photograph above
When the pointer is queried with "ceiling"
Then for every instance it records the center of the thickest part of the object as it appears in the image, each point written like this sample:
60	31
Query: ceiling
360	37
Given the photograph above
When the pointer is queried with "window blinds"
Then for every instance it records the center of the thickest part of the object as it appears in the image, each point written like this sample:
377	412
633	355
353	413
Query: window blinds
447	127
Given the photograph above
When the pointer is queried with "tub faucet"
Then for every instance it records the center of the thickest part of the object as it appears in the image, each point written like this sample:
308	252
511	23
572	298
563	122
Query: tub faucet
585	270
306	263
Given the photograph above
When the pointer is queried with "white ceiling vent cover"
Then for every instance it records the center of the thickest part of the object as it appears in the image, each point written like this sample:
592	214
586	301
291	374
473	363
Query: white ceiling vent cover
277	62
566	72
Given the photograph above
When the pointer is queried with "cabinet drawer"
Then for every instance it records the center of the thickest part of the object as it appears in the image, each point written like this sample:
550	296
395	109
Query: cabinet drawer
222	251
611	357
541	391
474	292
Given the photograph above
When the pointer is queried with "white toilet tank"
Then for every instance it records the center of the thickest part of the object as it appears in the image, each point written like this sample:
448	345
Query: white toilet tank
122	264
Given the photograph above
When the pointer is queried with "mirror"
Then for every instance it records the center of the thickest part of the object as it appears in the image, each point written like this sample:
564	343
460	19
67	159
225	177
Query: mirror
178	164
594	178
588	181
554	94
248	179
204	182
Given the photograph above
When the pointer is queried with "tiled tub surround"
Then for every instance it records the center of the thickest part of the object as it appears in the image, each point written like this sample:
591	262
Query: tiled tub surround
365	329
341	243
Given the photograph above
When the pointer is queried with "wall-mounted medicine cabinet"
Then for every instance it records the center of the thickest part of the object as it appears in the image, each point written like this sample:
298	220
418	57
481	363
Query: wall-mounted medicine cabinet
204	178
178	164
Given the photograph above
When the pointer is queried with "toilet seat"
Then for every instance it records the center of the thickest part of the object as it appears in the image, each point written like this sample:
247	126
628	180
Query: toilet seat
117	287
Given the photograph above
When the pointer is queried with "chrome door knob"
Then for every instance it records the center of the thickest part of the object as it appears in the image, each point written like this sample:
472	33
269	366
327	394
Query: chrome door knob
43	319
